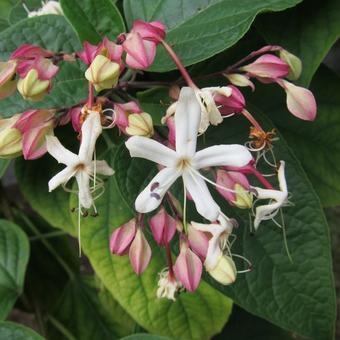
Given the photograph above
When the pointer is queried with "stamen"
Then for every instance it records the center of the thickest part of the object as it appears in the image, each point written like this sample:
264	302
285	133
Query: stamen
79	234
250	265
185	227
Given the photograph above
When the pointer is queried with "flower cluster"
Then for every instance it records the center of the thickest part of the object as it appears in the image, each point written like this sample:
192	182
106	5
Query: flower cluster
229	169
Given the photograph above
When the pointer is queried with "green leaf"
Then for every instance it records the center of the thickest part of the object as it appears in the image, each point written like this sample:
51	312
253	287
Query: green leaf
315	143
145	336
84	315
54	33
14	331
14	253
310	30
200	29
94	19
19	12
4	163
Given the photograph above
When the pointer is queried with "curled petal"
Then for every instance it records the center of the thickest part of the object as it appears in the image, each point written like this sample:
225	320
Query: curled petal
122	237
139	253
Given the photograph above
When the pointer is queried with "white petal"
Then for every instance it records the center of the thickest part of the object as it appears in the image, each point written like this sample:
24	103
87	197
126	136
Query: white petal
187	120
102	168
205	204
282	178
85	197
266	212
152	150
149	200
60	178
60	153
90	131
222	155
208	104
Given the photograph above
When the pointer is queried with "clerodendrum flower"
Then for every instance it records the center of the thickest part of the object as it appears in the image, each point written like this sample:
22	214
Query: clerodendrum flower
80	166
278	198
185	161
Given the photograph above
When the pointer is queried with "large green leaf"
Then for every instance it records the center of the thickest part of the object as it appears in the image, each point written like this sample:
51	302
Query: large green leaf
315	143
145	336
84	315
200	29
94	19
14	331
310	30
14	253
54	33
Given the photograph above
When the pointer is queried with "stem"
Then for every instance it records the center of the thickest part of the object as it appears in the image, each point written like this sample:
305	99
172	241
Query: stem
261	178
90	97
61	328
251	119
170	265
185	227
48	235
179	64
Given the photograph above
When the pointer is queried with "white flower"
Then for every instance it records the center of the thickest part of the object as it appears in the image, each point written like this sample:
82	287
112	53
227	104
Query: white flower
278	199
167	286
80	166
49	7
185	161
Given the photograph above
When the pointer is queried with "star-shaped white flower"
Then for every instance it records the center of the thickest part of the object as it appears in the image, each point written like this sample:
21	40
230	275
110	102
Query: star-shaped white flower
185	161
278	199
80	166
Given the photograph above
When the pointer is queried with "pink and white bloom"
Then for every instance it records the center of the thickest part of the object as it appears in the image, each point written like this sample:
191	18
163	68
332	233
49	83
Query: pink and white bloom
80	166
277	199
168	285
184	162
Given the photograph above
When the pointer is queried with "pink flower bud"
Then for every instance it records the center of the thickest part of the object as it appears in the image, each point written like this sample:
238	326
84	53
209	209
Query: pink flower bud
267	66
198	242
122	238
139	253
188	267
140	53
300	101
170	122
235	103
88	53
163	227
112	51
28	51
152	31
122	112
7	83
238	183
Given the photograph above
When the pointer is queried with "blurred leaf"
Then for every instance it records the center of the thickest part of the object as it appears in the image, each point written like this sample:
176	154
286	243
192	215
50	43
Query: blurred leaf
15	331
14	254
145	336
4	163
200	29
310	30
19	12
94	19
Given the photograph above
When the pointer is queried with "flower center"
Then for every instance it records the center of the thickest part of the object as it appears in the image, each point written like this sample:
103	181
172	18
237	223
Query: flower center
183	163
80	167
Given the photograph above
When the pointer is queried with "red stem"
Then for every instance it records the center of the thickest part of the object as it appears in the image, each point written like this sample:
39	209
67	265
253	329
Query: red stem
179	64
168	255
252	120
90	97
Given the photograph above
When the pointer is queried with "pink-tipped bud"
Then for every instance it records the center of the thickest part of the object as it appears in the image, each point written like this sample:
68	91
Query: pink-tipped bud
300	101
235	103
170	122
45	68
188	267
295	64
122	238
88	53
236	190
122	112
112	51
10	138
198	242
139	253
28	51
75	114
152	31
267	66
240	80
7	75
163	227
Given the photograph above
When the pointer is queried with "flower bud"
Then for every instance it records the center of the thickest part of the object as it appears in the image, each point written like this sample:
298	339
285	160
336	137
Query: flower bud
10	138
139	253
152	31
237	188
170	122
235	103
225	271
267	66
295	64
300	101
103	73
140	124
240	80
122	112
122	238
188	267
198	242
163	227
7	82
31	87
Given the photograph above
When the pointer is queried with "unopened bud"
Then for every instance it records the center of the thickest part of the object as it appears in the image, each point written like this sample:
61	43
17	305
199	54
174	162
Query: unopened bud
295	64
225	271
103	73
140	124
7	83
10	138
31	87
240	80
